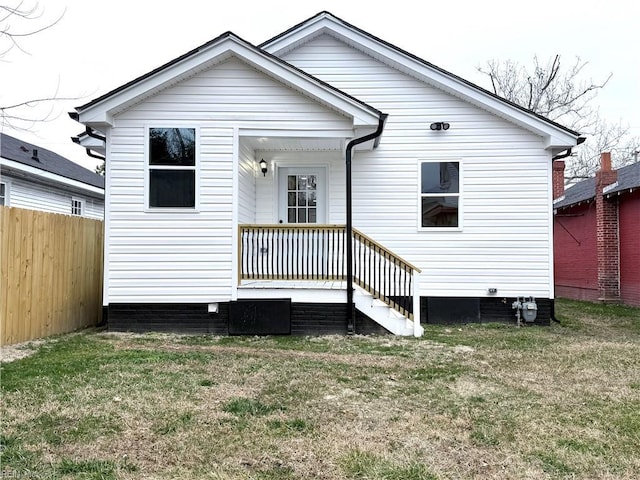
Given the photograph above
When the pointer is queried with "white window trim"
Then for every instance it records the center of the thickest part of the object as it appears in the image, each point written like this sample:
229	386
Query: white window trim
81	201
7	192
460	194
147	168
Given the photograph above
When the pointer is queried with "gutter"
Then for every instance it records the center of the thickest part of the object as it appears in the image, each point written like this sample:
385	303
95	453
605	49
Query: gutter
349	233
91	133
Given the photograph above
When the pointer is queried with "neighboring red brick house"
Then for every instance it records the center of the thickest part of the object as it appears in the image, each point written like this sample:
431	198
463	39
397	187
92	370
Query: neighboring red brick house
597	235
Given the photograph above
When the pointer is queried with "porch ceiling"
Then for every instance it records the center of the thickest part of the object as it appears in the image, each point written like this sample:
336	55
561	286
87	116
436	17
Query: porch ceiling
293	143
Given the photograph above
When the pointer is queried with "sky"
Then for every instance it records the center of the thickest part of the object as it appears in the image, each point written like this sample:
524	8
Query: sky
98	46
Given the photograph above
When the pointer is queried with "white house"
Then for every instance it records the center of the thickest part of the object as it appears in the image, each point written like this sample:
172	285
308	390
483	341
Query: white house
38	179
243	181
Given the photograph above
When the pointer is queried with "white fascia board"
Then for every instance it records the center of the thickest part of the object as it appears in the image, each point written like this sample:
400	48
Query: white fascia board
554	137
50	177
102	112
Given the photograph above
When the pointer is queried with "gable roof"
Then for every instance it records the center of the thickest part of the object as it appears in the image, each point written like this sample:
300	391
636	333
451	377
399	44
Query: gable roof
22	152
101	110
558	137
585	191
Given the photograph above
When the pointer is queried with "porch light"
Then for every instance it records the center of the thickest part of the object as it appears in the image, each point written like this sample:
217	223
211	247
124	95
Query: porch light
439	126
263	167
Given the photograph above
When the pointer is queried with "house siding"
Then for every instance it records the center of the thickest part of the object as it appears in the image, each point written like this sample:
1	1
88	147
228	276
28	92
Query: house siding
629	225
247	185
576	264
48	198
267	211
506	189
187	257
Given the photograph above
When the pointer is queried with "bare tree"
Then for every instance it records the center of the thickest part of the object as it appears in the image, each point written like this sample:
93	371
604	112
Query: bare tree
18	21
559	93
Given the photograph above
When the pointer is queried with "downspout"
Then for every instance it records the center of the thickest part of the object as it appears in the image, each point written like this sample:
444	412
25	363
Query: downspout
95	155
349	232
560	156
88	150
89	131
566	154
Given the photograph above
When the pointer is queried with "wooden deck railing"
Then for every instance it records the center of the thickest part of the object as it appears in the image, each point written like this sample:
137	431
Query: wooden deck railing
317	252
292	252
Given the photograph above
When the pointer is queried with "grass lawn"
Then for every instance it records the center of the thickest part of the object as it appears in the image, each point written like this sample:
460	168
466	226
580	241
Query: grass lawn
478	401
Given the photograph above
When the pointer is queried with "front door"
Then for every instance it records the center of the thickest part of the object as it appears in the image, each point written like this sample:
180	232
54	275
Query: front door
302	195
302	200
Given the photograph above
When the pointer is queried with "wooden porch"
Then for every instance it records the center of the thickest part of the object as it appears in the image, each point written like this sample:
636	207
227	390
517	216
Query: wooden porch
314	256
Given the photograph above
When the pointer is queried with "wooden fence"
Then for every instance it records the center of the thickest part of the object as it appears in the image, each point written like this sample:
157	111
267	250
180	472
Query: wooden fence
50	274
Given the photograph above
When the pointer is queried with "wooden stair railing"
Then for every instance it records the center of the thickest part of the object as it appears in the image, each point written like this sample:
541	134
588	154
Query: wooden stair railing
384	274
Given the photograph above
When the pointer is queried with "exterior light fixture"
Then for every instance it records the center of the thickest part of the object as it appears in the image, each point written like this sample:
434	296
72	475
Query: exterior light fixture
439	126
263	167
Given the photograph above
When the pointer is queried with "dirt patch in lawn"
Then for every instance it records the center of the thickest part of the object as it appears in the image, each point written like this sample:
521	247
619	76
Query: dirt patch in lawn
10	353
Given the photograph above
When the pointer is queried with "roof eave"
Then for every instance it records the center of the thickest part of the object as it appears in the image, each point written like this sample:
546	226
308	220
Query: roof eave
556	136
50	177
100	112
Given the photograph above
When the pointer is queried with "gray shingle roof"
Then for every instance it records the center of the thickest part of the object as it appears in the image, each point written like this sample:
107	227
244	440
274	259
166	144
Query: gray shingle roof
628	177
22	152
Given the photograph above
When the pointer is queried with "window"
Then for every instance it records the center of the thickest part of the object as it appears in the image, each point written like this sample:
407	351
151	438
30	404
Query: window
172	167
4	194
77	206
301	198
440	194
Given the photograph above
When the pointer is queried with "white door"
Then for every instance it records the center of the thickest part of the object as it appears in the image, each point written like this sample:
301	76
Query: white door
302	195
302	200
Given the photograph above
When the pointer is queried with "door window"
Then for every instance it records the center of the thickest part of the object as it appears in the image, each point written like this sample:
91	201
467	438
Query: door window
302	198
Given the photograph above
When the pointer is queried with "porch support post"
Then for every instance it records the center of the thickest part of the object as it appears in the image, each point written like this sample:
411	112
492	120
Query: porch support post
349	233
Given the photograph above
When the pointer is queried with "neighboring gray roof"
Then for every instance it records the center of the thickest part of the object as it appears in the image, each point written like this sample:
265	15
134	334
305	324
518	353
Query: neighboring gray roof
22	152
580	192
628	177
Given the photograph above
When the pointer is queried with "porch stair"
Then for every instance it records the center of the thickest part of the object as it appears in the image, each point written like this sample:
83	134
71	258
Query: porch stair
384	315
386	287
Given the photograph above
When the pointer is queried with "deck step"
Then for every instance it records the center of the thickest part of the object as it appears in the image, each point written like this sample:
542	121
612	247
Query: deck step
384	315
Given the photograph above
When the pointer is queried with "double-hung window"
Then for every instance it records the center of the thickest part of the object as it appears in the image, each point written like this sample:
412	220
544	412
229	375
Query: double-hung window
172	168
440	194
4	194
77	206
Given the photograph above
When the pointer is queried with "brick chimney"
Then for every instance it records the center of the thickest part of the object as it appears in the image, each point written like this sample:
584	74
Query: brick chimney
558	178
607	233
